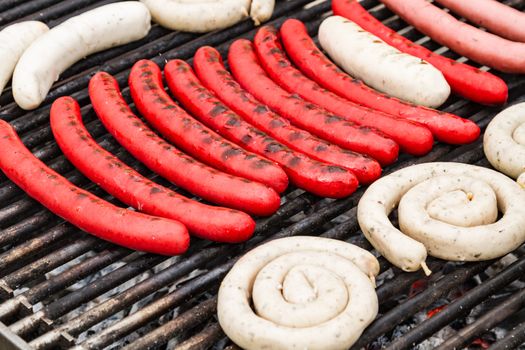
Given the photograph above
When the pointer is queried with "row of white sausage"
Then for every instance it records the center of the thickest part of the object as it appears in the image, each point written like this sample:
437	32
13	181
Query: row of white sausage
36	56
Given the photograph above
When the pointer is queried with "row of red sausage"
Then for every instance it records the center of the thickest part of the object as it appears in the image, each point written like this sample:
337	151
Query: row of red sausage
309	135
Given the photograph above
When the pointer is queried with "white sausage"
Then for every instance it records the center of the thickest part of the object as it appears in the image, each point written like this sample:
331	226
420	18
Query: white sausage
14	40
448	210
308	293
96	30
504	142
380	65
261	10
197	16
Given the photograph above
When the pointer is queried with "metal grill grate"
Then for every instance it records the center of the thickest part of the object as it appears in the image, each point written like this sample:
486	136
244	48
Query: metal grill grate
60	287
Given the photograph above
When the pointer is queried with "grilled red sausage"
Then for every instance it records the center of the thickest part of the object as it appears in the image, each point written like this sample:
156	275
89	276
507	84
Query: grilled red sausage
130	187
88	212
467	81
311	61
210	69
191	136
248	72
167	161
413	138
319	178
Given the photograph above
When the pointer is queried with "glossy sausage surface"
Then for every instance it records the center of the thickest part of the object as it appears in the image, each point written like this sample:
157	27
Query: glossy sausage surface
465	80
412	138
130	187
167	161
212	73
83	209
312	62
193	137
319	178
248	72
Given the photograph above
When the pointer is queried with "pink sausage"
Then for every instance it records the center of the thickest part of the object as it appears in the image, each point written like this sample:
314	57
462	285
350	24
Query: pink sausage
482	47
498	18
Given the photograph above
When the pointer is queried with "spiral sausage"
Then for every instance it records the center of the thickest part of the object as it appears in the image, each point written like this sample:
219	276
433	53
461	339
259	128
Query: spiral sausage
504	142
448	210
308	293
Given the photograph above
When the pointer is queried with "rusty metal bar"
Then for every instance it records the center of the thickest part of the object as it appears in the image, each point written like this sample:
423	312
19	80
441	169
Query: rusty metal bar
157	308
202	340
435	290
10	341
34	245
187	320
49	262
60	281
101	285
24	9
460	306
512	340
486	322
130	296
23	227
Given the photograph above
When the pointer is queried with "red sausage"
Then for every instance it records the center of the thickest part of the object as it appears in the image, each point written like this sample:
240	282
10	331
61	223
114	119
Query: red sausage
210	69
88	212
191	136
167	161
248	72
321	179
465	80
130	187
413	138
311	61
474	43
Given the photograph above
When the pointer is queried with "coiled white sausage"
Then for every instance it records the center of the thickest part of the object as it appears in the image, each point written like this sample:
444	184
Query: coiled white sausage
308	293
261	10
200	16
446	209
383	67
504	142
96	30
14	40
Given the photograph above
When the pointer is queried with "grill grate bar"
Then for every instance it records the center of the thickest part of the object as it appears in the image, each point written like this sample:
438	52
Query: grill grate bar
15	232
61	11
171	329
130	296
486	322
34	245
203	340
62	306
24	9
157	308
512	340
35	269
435	290
460	307
58	282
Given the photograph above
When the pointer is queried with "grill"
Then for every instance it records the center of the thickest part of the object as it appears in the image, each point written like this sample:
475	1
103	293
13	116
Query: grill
61	288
